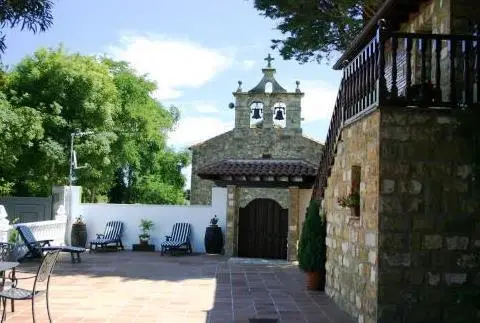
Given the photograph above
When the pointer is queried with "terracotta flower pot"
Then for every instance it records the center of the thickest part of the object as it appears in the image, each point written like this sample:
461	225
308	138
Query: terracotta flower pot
316	280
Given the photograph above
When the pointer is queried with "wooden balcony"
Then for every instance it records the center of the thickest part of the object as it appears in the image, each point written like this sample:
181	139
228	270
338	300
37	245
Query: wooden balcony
403	69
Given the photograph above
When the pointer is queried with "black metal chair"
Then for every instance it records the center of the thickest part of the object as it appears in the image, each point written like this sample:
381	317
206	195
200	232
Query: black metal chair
6	252
43	275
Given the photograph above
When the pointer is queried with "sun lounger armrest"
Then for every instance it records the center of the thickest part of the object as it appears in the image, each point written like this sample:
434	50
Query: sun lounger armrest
36	244
100	235
45	242
168	238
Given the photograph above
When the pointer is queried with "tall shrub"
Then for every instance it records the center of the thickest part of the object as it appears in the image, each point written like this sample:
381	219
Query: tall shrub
312	248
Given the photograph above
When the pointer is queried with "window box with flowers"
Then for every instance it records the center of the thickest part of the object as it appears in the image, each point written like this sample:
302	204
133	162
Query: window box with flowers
351	201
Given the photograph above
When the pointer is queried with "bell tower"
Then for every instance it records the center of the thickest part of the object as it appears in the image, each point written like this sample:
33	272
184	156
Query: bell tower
268	106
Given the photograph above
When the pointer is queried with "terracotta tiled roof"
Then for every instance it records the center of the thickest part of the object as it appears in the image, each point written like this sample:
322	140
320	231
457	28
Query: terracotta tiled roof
260	167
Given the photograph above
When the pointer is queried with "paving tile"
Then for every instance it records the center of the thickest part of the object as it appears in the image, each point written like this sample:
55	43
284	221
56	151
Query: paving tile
145	287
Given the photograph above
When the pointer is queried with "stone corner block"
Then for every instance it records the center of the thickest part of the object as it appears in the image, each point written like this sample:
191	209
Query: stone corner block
388	186
457	243
432	242
455	278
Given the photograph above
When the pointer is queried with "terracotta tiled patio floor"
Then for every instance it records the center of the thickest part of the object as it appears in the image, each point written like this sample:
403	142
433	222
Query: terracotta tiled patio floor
146	287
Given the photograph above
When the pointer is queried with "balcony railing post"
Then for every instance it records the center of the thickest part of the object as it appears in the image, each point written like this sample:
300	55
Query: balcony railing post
452	55
438	70
477	63
382	82
394	68
466	48
408	70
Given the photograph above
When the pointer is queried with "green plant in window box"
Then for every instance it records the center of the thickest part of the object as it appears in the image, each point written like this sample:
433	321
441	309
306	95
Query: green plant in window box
350	200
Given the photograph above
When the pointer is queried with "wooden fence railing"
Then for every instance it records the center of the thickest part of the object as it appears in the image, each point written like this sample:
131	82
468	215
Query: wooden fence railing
403	69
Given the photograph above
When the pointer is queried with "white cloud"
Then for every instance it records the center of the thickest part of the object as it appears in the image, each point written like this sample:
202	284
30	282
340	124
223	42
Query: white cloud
206	108
192	130
173	63
248	64
319	100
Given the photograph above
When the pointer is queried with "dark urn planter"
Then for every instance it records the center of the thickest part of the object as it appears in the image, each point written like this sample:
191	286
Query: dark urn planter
213	240
79	235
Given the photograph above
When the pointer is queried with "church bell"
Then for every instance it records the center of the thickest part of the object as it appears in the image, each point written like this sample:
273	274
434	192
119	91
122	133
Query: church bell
256	113
279	114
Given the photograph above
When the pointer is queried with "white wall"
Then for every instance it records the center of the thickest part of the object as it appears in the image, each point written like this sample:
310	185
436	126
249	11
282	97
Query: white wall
164	217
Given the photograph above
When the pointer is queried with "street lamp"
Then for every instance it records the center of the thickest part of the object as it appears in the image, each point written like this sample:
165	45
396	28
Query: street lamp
73	155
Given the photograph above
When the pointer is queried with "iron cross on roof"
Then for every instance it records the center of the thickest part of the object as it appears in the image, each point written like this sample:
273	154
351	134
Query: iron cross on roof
269	60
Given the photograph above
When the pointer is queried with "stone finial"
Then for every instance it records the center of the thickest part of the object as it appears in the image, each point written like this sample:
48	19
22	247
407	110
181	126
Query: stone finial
239	89
298	87
61	214
269	60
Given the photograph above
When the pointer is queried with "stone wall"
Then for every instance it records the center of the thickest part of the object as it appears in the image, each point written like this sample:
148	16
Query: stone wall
433	16
429	220
252	143
248	194
465	13
352	242
413	254
231	233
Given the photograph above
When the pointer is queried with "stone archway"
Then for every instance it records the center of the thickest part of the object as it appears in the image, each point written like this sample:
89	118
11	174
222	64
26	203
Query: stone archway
263	230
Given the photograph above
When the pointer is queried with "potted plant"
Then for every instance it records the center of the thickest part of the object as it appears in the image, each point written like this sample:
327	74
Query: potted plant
15	241
145	226
78	235
351	201
312	247
213	237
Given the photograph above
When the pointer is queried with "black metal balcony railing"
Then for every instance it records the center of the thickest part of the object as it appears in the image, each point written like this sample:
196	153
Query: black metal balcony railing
403	69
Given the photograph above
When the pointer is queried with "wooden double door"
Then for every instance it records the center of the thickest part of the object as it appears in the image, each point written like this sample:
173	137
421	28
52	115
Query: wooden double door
263	230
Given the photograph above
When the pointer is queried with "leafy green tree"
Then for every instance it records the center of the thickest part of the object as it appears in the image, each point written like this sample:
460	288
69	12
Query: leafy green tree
149	171
70	92
34	15
19	128
314	29
62	93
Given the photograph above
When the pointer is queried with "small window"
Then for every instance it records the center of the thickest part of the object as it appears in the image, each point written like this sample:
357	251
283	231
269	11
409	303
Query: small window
279	115
355	189
268	87
267	156
256	115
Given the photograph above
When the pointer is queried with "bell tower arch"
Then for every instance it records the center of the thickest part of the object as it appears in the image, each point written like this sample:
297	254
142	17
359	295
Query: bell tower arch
268	105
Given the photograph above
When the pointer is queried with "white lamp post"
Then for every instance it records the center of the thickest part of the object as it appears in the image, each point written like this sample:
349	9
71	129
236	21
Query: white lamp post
73	166
73	156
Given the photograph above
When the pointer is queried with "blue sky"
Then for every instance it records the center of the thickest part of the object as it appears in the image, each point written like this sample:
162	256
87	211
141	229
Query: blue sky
196	51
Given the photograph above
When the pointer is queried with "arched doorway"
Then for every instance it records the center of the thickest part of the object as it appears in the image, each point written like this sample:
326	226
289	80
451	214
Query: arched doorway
263	230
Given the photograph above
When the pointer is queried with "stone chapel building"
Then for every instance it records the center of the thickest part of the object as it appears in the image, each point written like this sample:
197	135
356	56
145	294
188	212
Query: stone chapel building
268	167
